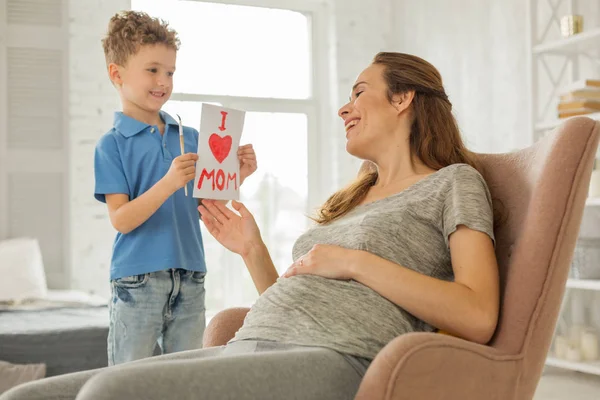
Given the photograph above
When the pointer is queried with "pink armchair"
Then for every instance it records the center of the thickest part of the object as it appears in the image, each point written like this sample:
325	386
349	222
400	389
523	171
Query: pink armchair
542	190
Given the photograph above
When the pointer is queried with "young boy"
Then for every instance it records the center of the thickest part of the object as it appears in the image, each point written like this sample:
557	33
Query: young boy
157	267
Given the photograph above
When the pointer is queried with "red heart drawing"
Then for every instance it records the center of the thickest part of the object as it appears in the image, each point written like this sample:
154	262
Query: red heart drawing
220	146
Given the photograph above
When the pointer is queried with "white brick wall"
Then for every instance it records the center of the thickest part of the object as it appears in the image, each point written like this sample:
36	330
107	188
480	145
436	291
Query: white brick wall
362	29
92	103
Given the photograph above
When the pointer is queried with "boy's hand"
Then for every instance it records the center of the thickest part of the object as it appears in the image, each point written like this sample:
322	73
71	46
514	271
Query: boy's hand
182	170
248	164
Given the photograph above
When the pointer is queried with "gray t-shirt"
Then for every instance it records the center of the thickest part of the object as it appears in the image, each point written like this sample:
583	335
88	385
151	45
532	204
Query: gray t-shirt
410	228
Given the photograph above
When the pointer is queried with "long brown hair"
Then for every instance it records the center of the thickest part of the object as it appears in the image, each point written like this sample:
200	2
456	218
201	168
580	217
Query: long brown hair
434	135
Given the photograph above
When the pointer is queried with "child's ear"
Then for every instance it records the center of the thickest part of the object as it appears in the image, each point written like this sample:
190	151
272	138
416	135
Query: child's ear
114	73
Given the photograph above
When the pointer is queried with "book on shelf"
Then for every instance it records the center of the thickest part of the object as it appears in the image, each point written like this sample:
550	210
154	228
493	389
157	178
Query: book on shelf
581	85
581	95
575	112
579	104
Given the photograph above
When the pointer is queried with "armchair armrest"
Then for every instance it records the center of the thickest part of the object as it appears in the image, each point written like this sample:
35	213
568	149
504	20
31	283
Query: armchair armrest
223	326
436	366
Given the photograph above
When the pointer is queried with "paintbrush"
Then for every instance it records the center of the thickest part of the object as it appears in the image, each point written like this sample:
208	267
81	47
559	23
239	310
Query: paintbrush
181	144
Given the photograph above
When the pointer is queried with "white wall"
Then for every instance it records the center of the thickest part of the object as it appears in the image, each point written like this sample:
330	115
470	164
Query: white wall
92	103
480	49
362	29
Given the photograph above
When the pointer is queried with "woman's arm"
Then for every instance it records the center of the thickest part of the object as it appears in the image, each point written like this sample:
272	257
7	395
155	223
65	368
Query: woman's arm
261	267
240	234
467	307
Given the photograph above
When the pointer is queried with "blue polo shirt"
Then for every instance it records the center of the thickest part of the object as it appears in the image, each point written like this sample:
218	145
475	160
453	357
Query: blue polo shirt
130	159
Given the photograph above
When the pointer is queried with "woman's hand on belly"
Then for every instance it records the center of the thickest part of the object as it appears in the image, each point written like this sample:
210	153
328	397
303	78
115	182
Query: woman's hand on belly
328	261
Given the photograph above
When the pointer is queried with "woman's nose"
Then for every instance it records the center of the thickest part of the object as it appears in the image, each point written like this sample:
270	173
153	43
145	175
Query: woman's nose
344	110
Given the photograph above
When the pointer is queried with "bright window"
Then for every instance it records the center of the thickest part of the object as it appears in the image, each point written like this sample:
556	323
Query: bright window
237	50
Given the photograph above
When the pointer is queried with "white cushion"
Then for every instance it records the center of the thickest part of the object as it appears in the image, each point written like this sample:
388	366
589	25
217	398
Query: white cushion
22	273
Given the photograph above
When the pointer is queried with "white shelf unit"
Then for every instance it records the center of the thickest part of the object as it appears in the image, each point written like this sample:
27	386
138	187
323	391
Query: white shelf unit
583	42
553	123
586	284
587	367
592	202
560	61
547	51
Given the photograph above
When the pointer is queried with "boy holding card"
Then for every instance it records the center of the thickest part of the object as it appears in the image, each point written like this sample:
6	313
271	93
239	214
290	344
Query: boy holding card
157	266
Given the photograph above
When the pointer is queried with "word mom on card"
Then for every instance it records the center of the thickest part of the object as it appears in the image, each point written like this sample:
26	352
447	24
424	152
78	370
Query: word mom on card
218	168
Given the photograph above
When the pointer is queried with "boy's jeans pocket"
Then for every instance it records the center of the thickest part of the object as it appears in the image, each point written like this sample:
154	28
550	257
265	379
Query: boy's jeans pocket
132	282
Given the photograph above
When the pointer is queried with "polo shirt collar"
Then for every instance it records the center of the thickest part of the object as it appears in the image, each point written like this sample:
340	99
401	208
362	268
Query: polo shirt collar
128	126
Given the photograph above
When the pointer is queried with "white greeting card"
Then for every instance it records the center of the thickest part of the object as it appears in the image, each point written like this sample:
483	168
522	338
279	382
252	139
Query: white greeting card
218	167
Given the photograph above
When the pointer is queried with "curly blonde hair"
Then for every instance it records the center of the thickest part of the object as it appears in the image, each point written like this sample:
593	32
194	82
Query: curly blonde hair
129	30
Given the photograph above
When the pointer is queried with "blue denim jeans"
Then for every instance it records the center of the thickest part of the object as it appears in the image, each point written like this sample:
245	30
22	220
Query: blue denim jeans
164	307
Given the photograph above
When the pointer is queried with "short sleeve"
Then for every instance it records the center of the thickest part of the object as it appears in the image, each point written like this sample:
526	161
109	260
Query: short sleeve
468	202
108	169
195	136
